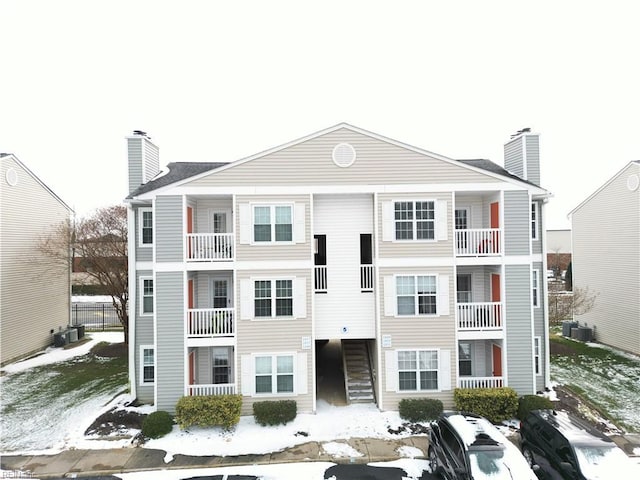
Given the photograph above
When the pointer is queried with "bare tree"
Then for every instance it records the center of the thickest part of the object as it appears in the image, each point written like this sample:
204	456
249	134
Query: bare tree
100	242
563	305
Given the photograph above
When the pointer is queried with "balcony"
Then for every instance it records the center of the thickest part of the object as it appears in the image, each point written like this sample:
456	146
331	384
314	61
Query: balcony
479	316
210	322
212	389
210	247
480	382
477	242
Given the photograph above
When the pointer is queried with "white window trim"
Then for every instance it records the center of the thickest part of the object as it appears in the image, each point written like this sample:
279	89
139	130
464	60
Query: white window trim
272	216
418	350
274	374
142	312
537	353
535	287
535	222
142	365
414	221
273	298
471	357
141	212
415	275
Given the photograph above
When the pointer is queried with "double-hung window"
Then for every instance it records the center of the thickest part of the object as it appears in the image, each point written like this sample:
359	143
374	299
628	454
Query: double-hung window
273	298
535	287
272	223
274	374
146	296
536	354
534	221
417	370
147	364
416	294
414	220
146	227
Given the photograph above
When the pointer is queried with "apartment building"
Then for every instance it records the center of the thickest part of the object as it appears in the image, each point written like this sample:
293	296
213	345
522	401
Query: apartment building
429	271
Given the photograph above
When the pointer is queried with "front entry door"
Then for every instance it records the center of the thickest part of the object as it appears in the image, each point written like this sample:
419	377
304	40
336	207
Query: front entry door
497	360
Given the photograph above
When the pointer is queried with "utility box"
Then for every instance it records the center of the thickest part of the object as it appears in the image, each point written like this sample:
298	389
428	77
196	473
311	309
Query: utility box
59	339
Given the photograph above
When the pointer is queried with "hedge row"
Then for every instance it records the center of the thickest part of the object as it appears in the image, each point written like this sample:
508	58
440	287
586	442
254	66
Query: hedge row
277	412
209	411
419	409
495	404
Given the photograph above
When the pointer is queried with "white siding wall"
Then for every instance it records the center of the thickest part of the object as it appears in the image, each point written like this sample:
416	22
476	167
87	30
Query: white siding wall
342	219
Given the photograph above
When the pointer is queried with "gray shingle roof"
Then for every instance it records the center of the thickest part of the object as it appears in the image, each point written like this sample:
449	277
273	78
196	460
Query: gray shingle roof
489	166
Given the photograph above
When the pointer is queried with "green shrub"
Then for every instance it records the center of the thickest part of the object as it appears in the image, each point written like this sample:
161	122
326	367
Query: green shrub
532	402
495	404
275	412
209	411
157	424
419	409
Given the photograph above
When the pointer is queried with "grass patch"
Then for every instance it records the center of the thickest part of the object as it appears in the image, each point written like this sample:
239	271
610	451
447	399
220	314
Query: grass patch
607	380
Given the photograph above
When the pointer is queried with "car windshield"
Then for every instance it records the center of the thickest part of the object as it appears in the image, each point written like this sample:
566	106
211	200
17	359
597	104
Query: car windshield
488	463
602	461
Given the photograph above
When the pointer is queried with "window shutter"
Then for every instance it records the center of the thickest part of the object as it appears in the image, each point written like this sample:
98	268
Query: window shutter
442	226
387	221
444	370
246	299
389	296
302	374
300	297
245	223
443	295
391	370
246	375
299	223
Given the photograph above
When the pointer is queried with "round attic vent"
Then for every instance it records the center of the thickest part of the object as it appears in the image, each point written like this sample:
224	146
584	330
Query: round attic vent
344	155
12	177
633	182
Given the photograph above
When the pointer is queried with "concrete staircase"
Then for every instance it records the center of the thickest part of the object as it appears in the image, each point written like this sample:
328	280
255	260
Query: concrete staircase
357	372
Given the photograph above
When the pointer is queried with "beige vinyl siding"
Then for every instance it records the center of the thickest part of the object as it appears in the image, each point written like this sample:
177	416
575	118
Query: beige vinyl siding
273	251
35	290
419	333
170	349
415	248
275	336
517	222
204	210
377	162
606	260
519	327
168	224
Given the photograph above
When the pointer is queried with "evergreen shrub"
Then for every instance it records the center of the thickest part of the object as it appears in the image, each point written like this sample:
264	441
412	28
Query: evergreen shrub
420	409
209	411
495	404
278	412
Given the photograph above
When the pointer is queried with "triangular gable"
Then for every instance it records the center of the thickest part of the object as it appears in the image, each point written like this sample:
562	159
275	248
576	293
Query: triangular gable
605	185
310	161
37	180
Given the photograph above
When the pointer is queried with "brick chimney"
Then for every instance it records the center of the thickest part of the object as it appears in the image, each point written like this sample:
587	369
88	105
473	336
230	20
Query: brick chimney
522	155
143	158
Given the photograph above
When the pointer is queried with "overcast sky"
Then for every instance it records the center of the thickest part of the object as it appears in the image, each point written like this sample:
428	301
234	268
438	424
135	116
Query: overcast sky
219	81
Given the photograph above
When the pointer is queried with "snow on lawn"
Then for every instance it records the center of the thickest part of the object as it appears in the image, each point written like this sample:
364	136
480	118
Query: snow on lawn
37	420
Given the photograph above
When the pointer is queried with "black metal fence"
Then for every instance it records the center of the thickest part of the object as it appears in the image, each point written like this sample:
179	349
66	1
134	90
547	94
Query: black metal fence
95	316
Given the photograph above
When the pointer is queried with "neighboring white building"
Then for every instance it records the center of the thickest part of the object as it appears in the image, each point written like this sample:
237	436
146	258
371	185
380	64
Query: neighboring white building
429	270
34	297
606	258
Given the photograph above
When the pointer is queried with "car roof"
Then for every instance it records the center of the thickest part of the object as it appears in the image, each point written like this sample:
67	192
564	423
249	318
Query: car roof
574	429
474	430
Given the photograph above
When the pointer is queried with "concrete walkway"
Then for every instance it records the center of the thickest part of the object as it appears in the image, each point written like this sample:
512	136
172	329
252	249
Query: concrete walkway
135	459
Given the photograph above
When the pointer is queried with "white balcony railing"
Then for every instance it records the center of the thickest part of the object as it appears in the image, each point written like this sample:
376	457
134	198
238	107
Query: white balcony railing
478	242
366	278
218	389
480	316
480	382
210	322
320	279
210	247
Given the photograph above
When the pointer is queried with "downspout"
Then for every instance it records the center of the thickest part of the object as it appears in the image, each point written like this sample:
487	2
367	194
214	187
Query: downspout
545	292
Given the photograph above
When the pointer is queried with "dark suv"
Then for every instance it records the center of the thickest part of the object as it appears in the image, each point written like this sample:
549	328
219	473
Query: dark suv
565	447
469	447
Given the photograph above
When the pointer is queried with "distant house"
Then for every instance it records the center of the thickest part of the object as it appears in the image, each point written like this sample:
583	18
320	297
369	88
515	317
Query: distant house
558	251
606	258
428	270
35	299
